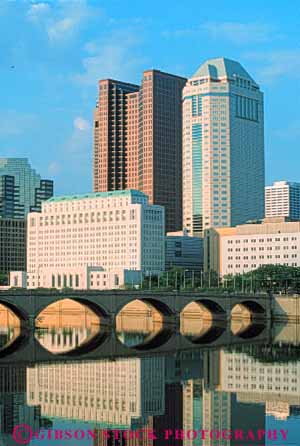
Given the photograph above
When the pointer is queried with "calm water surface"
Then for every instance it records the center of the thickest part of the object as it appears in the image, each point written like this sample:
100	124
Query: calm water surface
250	382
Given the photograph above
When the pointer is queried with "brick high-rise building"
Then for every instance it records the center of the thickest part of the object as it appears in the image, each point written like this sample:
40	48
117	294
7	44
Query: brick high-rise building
110	122
138	140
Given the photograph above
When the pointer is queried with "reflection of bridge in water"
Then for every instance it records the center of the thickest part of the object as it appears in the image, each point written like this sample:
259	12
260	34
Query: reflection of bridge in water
27	349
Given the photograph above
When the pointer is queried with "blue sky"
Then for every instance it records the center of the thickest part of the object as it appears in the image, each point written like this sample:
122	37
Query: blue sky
60	48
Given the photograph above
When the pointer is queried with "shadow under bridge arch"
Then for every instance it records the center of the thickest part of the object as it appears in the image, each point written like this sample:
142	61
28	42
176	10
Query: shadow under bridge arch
144	324
248	308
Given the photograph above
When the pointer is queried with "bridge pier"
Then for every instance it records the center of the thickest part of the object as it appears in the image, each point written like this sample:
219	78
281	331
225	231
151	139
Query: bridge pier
29	323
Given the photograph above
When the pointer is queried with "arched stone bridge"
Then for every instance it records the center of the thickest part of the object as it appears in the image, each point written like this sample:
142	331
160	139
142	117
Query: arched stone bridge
26	349
28	305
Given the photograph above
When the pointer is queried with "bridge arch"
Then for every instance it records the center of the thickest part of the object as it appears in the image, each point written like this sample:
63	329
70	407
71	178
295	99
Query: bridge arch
15	345
211	306
249	309
201	321
95	341
157	304
208	336
154	341
16	310
208	307
251	331
140	324
98	309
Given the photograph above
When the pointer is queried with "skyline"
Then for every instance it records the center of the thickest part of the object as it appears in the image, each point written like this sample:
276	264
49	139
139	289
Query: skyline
48	98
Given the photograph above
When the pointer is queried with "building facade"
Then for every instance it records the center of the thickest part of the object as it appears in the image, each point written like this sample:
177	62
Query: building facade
12	245
120	393
110	135
21	188
255	381
95	240
230	251
183	251
138	140
282	199
223	147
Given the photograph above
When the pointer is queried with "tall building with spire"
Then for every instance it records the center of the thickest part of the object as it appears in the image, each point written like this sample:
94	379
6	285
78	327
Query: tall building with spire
223	147
138	140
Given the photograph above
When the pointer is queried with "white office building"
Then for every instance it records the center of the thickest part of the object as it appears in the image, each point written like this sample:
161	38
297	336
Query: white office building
223	147
95	241
282	199
231	251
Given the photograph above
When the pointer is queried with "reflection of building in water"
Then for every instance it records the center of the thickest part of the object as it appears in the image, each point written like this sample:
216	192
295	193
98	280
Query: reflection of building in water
192	408
104	437
278	409
109	393
216	414
13	407
183	366
221	408
222	411
63	339
170	418
257	382
8	335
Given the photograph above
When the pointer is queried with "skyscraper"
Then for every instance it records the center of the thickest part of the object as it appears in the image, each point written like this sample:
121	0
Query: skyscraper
138	140
21	188
10	206
282	199
12	245
223	147
110	135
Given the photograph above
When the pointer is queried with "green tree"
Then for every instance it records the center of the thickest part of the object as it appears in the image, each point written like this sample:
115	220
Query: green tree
277	278
3	279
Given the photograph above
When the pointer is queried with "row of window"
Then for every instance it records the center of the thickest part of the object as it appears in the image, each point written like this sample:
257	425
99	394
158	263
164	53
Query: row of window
262	240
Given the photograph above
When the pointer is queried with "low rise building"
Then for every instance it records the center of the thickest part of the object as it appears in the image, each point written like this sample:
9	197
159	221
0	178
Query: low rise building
102	240
184	251
237	250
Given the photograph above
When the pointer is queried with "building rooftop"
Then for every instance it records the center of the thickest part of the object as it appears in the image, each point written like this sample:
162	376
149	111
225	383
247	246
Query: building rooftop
115	193
282	183
222	67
